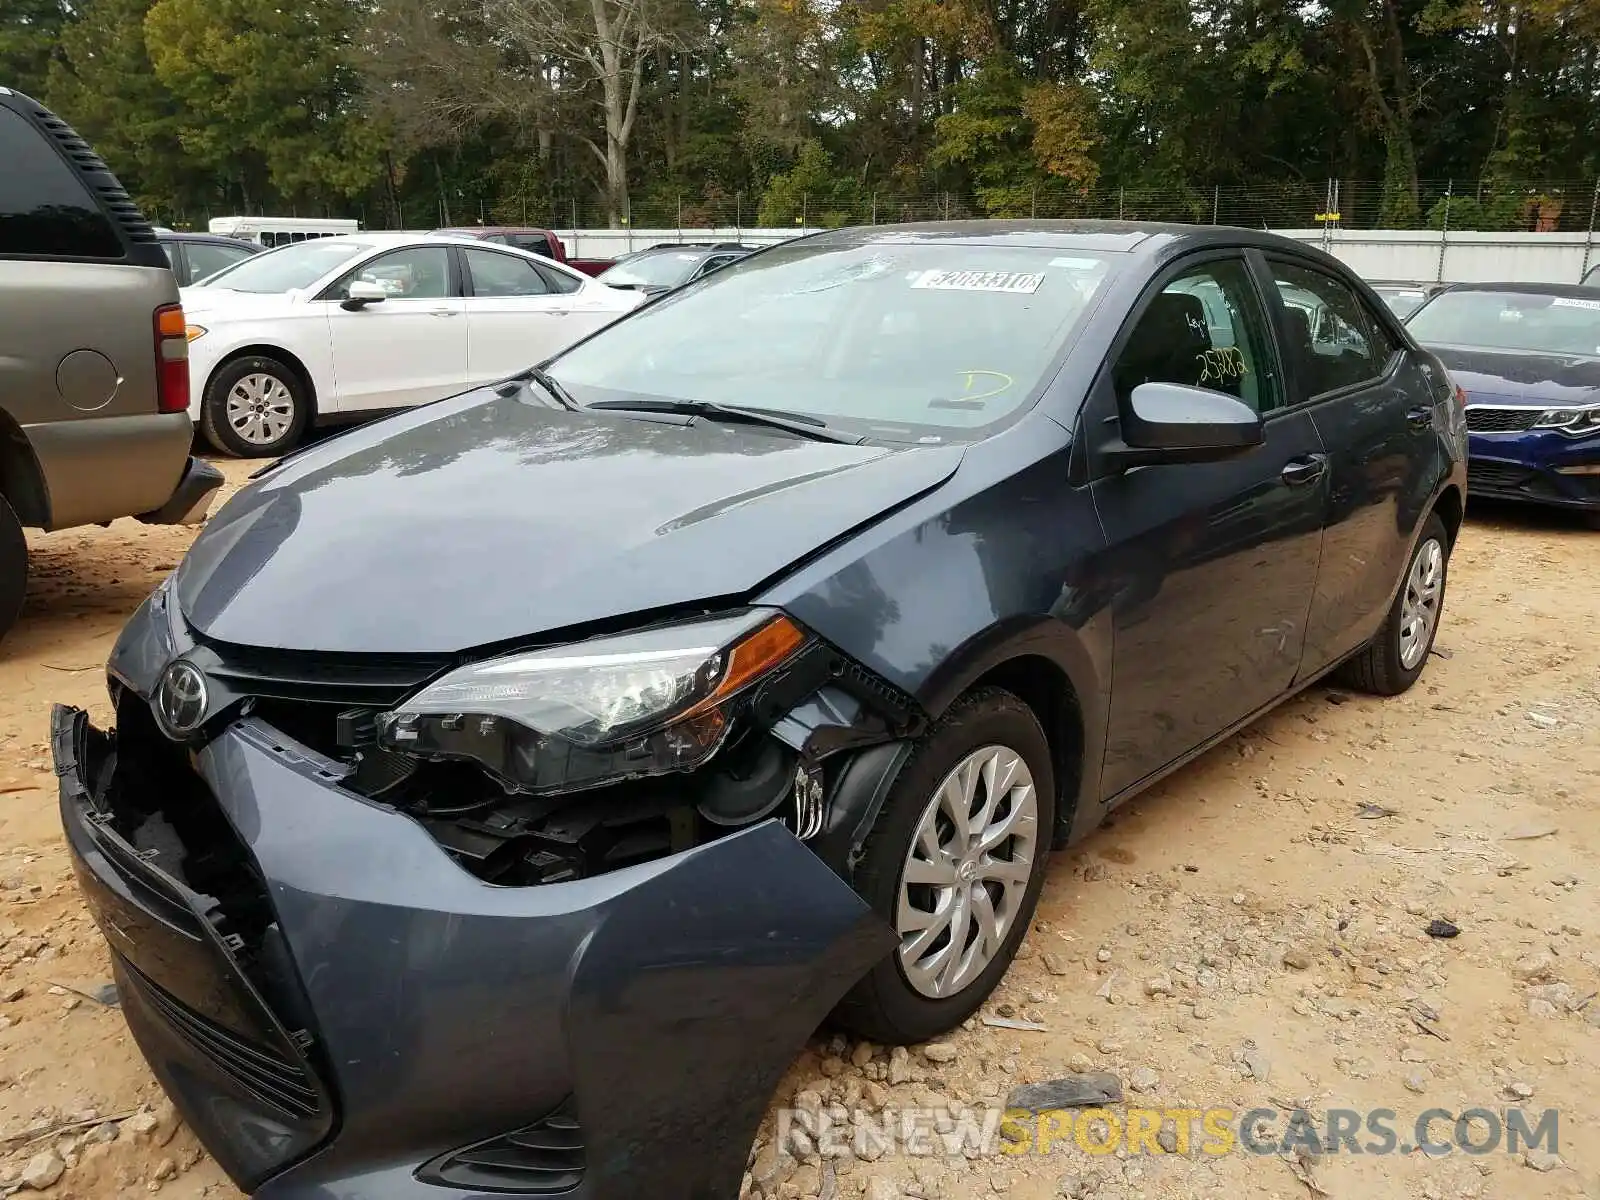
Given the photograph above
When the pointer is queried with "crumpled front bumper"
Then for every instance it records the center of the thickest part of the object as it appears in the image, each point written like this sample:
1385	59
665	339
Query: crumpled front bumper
421	1011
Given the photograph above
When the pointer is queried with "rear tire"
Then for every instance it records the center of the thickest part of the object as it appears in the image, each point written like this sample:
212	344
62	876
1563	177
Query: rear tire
13	567
989	736
255	407
1394	660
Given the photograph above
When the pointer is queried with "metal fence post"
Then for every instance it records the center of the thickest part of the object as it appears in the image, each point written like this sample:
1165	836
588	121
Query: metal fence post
1216	203
804	209
1033	203
874	208
1444	229
1122	193
1588	237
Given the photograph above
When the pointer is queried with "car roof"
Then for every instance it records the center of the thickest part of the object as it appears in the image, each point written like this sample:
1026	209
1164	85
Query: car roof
1152	238
180	235
476	231
1575	290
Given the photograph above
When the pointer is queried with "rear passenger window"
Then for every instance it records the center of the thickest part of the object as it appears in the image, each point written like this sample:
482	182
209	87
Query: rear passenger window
1331	341
1205	329
558	281
502	275
44	207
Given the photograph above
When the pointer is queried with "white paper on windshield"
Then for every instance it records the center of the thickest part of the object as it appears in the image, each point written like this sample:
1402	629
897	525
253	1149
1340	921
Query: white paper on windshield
1023	282
1568	302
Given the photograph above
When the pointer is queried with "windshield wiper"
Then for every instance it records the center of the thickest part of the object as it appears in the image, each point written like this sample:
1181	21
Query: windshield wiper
548	382
801	423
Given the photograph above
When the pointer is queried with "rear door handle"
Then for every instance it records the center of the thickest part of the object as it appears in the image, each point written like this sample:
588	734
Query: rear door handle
1302	471
1419	418
442	312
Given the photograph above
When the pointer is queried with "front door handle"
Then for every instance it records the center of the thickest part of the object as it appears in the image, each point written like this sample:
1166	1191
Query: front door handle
442	312
1302	471
1419	418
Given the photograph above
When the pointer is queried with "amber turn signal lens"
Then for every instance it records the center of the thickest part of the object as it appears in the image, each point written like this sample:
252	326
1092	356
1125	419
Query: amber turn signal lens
755	656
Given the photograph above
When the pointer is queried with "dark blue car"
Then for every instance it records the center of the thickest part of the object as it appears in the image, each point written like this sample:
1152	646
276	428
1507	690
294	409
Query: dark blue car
1528	357
502	793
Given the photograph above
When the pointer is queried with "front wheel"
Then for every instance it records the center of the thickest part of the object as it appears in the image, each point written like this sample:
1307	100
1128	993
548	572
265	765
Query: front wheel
1393	660
955	863
255	407
13	567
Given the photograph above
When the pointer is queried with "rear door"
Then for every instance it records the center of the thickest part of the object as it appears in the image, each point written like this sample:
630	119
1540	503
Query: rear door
1214	564
1375	410
410	347
515	318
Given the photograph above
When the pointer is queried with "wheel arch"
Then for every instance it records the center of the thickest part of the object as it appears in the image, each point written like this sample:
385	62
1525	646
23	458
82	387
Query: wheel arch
22	482
1452	510
267	350
1044	664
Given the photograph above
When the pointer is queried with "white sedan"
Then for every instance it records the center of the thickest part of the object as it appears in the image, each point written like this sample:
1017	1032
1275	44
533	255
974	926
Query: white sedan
338	328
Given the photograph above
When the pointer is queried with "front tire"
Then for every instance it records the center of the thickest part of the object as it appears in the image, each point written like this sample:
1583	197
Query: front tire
955	863
13	567
255	407
1394	660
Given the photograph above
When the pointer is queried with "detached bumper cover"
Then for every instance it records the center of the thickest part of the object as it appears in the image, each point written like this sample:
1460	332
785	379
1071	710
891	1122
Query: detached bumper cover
653	1008
191	499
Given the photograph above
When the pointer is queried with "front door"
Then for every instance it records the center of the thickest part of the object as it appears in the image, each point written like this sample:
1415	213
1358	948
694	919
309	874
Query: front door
1213	565
406	349
1380	418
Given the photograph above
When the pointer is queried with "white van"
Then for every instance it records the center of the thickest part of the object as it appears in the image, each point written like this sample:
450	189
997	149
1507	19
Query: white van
279	231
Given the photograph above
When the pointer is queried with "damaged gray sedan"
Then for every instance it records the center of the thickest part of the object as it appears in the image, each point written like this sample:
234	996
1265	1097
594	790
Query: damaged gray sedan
501	794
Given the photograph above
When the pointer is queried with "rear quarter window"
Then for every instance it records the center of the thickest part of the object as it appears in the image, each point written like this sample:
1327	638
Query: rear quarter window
45	209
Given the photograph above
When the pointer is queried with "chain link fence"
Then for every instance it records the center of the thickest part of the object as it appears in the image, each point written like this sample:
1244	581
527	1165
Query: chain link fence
1558	206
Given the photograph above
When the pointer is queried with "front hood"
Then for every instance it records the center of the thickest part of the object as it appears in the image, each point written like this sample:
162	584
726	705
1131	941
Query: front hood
1534	380
483	519
216	301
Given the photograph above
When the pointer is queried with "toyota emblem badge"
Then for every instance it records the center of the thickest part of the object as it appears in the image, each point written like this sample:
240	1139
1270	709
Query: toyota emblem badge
181	698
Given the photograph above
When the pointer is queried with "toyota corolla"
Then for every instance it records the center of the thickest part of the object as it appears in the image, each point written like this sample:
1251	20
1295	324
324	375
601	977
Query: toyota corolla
501	794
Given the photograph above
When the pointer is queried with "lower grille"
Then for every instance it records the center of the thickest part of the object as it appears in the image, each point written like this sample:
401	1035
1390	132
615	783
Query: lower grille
543	1159
270	1078
1496	475
1483	419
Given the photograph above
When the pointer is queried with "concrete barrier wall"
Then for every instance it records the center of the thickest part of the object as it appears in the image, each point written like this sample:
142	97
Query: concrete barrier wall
1375	254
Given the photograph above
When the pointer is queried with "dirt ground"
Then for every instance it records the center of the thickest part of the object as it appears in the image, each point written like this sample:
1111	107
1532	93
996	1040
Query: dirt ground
1250	934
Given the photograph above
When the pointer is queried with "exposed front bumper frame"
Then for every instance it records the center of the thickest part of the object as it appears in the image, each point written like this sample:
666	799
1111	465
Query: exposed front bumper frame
662	1001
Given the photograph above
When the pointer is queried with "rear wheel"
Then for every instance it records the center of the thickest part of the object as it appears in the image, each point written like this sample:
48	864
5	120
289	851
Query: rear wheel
955	864
13	567
255	407
1394	660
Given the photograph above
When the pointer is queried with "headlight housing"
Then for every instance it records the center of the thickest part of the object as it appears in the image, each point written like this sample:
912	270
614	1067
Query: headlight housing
1570	420
576	716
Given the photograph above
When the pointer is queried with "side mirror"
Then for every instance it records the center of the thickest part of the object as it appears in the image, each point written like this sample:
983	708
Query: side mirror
1175	423
362	293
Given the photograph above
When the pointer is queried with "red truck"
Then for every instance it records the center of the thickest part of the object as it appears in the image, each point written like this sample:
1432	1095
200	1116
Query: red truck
536	241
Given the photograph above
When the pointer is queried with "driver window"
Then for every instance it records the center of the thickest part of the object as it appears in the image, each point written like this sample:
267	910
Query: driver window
1204	329
415	273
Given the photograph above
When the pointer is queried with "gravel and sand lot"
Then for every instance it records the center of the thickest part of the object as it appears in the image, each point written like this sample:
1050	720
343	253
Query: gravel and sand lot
1251	934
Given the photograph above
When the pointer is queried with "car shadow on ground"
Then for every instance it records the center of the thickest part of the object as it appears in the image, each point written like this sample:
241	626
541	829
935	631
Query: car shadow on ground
1508	516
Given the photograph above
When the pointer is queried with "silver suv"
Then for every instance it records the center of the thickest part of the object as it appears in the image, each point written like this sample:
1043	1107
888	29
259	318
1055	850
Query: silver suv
94	371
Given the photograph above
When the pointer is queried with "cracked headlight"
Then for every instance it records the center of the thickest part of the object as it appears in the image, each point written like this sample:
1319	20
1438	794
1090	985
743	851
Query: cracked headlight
612	708
1570	420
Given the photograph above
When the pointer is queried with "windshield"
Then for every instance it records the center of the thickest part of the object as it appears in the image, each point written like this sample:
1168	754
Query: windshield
655	270
288	267
1402	301
1510	321
904	340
